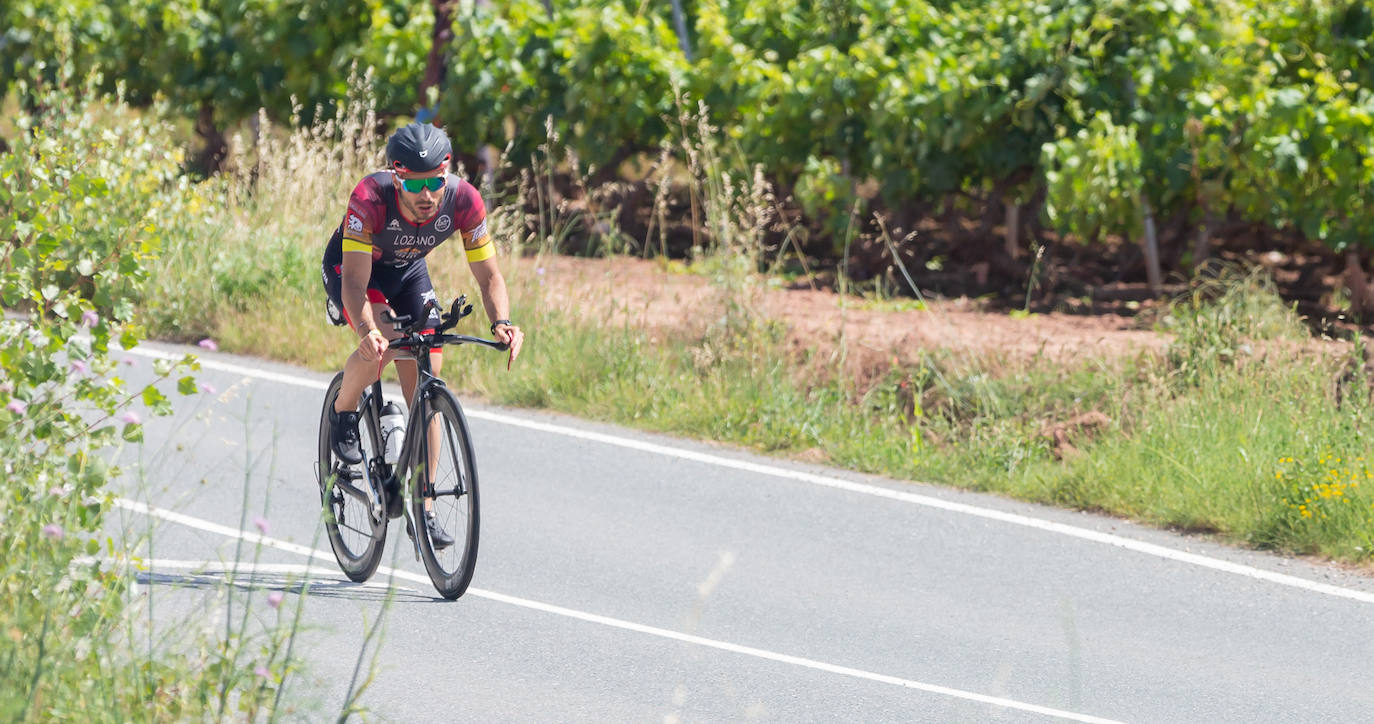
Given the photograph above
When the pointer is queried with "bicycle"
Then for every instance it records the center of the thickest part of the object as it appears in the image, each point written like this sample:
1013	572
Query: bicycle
433	470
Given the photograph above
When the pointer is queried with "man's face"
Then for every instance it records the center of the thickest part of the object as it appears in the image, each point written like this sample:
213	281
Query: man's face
421	203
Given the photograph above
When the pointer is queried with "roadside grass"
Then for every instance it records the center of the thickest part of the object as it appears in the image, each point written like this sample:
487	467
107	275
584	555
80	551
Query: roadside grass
1194	439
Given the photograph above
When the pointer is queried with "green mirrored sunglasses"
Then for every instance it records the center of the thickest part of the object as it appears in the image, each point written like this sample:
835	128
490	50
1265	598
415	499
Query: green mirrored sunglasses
415	185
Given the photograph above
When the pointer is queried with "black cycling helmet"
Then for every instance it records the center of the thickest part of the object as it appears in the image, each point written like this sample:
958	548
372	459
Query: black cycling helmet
418	147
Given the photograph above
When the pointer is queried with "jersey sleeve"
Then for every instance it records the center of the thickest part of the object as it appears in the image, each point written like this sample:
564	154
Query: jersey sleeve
366	214
476	240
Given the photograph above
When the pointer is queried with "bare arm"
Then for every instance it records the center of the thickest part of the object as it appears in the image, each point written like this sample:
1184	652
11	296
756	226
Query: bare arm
497	303
356	272
494	297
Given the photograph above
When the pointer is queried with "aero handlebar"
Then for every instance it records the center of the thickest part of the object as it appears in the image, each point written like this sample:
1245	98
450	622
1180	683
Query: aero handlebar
414	337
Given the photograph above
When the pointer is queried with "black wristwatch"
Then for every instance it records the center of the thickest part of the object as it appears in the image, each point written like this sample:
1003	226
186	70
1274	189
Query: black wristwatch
500	321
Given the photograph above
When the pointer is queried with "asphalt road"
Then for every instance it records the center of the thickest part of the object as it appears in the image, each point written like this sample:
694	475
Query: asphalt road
631	577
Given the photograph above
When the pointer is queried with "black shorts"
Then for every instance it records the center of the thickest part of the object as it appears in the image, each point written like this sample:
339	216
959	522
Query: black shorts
405	289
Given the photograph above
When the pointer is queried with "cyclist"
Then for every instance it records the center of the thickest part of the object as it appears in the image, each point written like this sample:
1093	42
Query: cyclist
376	260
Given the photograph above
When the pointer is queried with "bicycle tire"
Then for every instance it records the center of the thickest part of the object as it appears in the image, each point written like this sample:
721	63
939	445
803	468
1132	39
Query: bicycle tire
358	549
457	513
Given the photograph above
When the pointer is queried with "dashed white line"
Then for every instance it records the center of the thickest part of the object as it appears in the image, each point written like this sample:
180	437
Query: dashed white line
1150	549
267	542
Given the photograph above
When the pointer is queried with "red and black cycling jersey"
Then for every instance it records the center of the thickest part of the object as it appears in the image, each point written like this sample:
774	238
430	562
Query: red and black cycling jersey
374	223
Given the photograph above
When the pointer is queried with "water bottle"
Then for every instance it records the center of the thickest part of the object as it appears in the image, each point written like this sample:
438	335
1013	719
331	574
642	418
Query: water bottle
393	432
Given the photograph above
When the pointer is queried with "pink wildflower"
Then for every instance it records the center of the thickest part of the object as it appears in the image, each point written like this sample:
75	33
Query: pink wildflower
89	318
80	367
261	524
274	599
53	531
208	388
208	343
17	406
130	417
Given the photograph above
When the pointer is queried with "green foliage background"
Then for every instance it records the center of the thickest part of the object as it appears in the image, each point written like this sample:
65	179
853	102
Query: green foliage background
1261	110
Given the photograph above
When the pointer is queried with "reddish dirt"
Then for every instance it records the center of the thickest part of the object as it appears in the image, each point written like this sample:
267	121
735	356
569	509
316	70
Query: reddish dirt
647	294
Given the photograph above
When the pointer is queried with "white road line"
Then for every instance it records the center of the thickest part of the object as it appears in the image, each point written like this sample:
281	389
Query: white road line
1130	544
256	539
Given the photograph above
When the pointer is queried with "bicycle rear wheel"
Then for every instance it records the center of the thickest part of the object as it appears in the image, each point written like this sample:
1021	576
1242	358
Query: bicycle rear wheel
355	533
447	479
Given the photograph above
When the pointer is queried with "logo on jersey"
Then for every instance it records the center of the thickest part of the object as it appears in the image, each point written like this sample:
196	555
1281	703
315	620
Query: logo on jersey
408	241
443	223
354	223
394	225
475	239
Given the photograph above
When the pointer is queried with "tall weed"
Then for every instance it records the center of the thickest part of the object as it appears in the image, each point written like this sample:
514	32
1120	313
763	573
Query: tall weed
86	198
1219	322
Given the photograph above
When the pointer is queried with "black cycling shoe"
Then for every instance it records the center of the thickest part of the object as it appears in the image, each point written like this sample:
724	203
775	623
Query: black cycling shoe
437	537
343	437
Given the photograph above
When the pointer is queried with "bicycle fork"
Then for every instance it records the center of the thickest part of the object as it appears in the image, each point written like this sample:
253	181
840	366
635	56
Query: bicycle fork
416	447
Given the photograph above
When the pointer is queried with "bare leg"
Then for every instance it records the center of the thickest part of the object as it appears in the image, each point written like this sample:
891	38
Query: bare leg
359	373
409	374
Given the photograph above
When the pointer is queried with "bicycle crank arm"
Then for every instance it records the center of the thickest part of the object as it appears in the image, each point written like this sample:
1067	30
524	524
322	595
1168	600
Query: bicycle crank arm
344	484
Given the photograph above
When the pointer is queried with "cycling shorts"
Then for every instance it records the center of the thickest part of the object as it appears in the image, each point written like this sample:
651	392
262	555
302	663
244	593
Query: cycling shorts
405	289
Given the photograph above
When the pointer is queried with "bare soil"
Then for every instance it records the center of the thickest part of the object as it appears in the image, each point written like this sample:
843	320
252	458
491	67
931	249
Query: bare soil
652	295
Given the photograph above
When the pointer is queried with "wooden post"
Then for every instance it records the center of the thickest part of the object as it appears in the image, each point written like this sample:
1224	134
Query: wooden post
1013	232
1202	245
680	23
1151	248
435	68
1357	284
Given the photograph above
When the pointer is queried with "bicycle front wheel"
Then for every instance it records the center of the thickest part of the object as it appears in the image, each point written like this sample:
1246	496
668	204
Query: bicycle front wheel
355	533
445	501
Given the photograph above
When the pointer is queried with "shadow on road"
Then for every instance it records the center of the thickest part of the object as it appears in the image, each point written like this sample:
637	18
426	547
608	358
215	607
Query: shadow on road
325	587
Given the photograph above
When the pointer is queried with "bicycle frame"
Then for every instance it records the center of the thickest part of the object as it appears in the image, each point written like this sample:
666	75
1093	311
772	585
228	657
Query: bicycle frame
411	456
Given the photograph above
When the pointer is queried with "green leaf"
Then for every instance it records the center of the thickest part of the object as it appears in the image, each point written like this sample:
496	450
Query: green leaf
132	433
152	396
